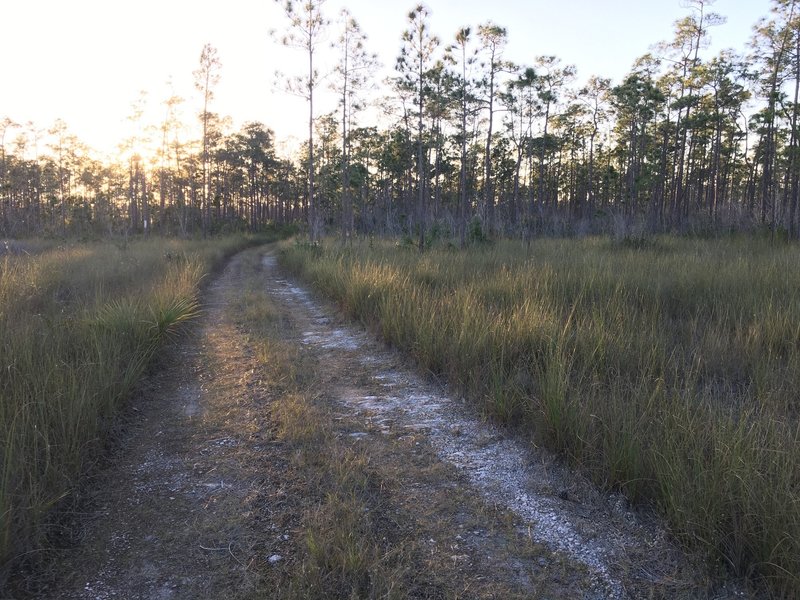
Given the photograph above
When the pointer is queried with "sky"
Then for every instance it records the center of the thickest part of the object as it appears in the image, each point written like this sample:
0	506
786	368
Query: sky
86	61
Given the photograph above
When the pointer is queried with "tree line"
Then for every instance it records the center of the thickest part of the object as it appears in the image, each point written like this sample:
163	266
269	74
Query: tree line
221	182
469	145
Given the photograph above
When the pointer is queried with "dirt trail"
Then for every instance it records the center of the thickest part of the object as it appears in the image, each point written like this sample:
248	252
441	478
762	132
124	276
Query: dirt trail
195	502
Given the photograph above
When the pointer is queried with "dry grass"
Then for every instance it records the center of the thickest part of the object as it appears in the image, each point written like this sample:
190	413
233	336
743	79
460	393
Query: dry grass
78	326
669	371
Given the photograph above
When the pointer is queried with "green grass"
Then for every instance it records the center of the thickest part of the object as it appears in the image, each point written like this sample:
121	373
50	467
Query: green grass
78	326
670	371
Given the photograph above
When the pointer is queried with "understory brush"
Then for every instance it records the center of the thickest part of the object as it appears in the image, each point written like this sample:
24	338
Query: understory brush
669	370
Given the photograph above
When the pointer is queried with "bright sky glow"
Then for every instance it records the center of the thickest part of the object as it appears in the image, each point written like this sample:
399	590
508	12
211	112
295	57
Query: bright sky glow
86	61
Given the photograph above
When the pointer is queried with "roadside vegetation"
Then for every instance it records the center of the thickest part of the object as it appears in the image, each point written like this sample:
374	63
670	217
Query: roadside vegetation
79	325
667	368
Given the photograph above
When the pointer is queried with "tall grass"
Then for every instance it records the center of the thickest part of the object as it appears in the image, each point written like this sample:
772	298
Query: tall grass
670	371
78	326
